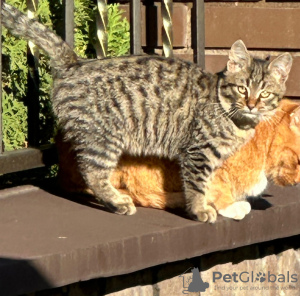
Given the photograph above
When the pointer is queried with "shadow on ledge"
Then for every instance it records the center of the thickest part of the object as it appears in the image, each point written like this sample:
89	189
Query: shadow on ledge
26	279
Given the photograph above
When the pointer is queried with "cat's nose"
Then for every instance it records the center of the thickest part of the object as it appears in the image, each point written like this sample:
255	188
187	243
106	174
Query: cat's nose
251	106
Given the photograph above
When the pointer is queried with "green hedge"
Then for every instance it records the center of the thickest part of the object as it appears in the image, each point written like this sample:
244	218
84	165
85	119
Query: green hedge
14	73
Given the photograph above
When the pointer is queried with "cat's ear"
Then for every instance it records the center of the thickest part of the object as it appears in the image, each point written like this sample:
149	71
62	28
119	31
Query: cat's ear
239	57
281	67
295	120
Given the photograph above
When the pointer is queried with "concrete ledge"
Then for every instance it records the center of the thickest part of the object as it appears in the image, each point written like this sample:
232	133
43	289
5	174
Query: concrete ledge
50	241
277	257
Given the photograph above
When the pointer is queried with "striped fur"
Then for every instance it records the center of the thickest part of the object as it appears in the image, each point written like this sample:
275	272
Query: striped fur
149	105
19	24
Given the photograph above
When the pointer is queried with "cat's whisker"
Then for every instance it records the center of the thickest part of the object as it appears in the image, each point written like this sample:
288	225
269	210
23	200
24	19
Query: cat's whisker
276	121
276	117
233	112
220	109
273	121
269	122
222	114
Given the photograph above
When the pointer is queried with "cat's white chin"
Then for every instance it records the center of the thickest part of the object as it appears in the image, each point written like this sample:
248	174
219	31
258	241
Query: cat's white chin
250	115
253	116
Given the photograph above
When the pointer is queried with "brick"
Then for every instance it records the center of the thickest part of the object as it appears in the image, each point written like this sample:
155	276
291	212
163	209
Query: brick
273	28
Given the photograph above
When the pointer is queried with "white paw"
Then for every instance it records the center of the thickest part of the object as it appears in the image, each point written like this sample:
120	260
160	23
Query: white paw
238	210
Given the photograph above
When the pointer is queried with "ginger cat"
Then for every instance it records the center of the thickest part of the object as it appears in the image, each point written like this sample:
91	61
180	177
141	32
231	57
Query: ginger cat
273	153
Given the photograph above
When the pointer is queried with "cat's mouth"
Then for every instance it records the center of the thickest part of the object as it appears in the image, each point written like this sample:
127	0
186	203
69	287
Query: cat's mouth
246	120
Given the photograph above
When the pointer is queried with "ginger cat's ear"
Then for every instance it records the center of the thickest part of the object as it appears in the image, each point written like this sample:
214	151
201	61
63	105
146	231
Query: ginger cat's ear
295	121
239	57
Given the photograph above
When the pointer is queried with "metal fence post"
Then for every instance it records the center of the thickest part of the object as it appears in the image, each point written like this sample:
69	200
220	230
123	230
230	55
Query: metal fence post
33	82
69	22
135	27
167	32
198	32
102	35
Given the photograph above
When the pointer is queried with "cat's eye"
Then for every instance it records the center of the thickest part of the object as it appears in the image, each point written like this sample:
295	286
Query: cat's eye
264	94
242	90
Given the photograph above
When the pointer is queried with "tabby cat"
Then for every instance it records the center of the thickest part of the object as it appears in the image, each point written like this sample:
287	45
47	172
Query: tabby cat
150	105
273	153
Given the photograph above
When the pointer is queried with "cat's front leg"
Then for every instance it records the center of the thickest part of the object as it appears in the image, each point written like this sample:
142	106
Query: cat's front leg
196	170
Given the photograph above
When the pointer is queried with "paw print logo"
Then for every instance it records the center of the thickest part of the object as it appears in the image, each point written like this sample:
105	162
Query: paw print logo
261	277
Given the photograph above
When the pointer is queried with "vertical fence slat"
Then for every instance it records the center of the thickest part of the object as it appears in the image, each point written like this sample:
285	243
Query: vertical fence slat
69	22
1	130
151	26
33	85
102	19
135	27
167	32
198	32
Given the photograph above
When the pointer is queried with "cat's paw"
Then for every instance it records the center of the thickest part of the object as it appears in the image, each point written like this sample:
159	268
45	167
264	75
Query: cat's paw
238	210
123	205
209	214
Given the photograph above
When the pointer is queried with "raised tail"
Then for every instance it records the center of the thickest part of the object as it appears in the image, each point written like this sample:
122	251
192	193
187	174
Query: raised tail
20	25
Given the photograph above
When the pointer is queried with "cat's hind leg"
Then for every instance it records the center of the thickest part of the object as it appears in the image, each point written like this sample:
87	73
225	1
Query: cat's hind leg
119	203
96	169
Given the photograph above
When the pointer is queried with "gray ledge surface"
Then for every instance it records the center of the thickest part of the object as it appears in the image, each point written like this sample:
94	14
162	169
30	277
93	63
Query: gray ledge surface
48	241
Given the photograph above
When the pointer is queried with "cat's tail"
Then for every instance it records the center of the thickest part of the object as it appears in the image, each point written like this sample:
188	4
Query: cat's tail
20	25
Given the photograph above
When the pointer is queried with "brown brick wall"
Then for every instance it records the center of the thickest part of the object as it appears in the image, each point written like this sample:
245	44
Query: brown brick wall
266	27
